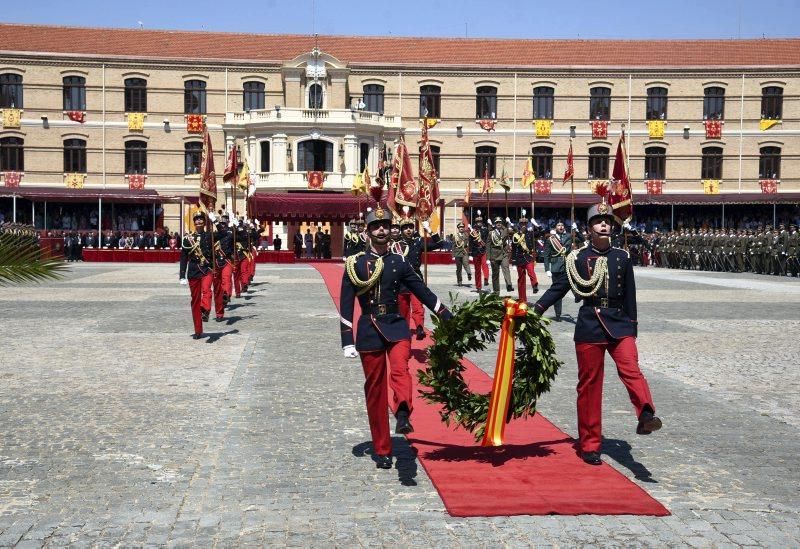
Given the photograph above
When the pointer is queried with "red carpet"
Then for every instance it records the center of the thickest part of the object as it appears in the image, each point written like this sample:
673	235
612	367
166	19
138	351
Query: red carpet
537	472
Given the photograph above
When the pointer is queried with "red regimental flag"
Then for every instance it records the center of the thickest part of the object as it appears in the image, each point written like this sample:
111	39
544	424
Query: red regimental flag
542	186
428	186
654	186
619	195
315	180
231	166
195	123
599	129
136	181
486	184
208	178
713	129
569	173
403	189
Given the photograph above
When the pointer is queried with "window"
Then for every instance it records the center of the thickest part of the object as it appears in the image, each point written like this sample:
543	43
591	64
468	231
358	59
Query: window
430	102
135	157
266	148
598	163
772	103
193	155
10	91
600	104
363	156
485	157
74	93
194	97
373	98
253	96
75	156
486	103
315	155
714	103
315	96
12	154
542	162
436	152
769	163
135	95
656	104
543	103
655	163
711	167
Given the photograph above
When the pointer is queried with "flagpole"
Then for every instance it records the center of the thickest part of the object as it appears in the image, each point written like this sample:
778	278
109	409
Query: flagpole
572	200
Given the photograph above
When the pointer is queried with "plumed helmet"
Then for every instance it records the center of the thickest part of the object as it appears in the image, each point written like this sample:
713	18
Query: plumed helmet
602	210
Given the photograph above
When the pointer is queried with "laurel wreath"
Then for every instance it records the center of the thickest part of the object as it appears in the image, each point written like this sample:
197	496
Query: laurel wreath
475	325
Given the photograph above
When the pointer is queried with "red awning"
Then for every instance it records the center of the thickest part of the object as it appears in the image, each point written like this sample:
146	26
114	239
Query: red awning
562	200
123	195
310	206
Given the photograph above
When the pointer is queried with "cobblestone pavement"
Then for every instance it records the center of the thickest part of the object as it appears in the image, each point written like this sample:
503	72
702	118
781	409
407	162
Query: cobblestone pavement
119	429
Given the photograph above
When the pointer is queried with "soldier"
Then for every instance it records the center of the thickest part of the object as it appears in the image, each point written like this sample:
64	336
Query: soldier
498	254
461	253
607	321
196	268
783	245
793	251
478	236
375	276
223	273
523	255
556	248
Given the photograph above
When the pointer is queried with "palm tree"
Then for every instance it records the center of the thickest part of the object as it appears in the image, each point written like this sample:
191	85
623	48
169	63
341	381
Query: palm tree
21	261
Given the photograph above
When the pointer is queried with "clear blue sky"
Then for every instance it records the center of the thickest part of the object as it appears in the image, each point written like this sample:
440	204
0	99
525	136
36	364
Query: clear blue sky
446	18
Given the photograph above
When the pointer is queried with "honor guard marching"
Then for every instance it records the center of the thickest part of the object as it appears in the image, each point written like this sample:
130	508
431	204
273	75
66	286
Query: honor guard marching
196	268
607	321
223	274
478	237
241	275
375	278
556	248
354	239
523	256
461	253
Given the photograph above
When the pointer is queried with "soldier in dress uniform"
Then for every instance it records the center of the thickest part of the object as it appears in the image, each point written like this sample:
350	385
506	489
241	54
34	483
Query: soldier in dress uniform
523	256
498	252
223	273
556	248
375	277
792	251
607	321
478	236
461	253
196	268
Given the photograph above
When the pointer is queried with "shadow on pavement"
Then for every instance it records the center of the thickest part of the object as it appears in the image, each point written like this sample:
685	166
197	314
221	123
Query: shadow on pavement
216	336
405	458
620	451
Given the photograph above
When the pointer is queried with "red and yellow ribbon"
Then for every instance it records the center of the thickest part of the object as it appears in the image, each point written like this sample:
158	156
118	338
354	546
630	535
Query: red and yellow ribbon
503	376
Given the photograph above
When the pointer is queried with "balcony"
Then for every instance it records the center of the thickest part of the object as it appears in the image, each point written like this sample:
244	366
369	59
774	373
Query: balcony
297	180
306	117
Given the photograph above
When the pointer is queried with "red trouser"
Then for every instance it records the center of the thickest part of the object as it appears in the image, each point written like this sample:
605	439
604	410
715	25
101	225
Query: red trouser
590	385
200	289
481	268
374	365
222	286
523	270
237	285
411	309
244	272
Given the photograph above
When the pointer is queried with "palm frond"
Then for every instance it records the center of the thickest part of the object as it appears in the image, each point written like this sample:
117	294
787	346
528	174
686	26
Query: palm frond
20	262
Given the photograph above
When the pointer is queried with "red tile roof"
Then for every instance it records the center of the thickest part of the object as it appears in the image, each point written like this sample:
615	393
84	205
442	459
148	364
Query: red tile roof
393	51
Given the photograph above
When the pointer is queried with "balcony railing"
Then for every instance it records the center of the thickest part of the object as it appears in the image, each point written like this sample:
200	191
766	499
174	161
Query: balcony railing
297	180
319	116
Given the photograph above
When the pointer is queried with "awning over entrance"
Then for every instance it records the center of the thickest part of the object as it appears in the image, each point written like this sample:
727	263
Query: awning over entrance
562	200
63	194
309	206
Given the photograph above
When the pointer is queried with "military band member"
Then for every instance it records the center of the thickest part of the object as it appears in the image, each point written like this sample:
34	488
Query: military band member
523	255
556	248
374	278
196	268
607	321
478	237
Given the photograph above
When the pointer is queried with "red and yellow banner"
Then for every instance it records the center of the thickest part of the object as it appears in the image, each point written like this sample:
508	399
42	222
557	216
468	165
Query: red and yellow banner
195	123
74	180
599	129
655	129
711	186
503	385
136	121
543	128
77	116
543	186
12	118
136	181
12	179
487	124
315	180
654	186
769	186
713	129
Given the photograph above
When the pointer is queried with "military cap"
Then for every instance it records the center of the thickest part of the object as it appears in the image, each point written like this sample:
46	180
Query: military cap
378	215
602	210
199	214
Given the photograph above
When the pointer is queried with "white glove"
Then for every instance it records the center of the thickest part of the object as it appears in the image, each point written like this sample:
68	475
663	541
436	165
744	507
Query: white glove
549	274
574	227
535	224
258	222
627	226
427	226
471	258
213	217
508	220
350	351
184	281
530	229
469	227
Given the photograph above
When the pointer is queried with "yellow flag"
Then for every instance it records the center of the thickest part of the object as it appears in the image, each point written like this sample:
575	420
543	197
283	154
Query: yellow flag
358	185
711	186
543	128
766	124
75	180
136	121
12	118
244	176
655	129
434	221
430	121
528	175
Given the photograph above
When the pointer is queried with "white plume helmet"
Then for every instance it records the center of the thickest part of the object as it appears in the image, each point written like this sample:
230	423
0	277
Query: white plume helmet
479	212
368	210
524	211
406	209
361	214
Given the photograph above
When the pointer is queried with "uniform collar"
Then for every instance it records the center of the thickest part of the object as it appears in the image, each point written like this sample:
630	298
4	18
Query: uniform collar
600	252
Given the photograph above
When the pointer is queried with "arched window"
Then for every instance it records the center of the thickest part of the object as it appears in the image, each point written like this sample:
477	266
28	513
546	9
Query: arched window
655	163
714	103
315	96
711	166
656	103
600	103
430	101
315	155
769	163
253	96
598	162
772	103
194	97
542	162
543	97
373	98
74	156
10	91
486	103
135	157
12	154
74	93
266	148
193	156
135	95
485	159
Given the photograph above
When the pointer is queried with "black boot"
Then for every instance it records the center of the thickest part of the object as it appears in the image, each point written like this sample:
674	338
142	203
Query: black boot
383	462
648	422
420	333
403	426
592	458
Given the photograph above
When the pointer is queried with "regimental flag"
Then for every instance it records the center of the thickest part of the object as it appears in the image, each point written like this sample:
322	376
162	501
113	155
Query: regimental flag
76	116
468	194
12	118
229	175
195	123
358	186
543	186
487	124
620	196
654	186
768	186
569	173
711	186
504	180
208	177
655	129
528	175
136	181
428	122
543	128
599	129
12	179
74	180
403	190
767	123
243	182
315	180
599	186
136	121
713	128
428	184
486	183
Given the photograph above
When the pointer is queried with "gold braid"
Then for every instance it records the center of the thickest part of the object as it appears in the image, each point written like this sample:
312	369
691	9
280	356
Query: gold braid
363	285
599	275
519	240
